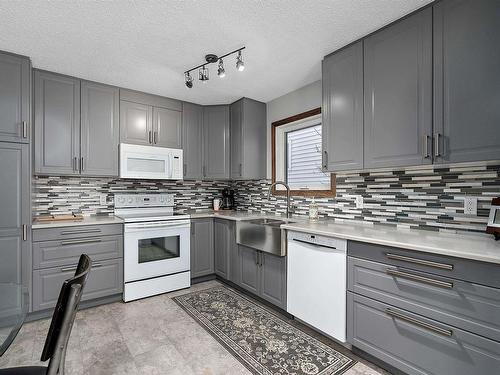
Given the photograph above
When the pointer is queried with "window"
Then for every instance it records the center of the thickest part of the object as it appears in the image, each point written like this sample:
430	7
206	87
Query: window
297	155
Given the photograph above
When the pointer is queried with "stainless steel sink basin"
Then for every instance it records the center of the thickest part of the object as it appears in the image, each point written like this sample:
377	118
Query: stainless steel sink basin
262	234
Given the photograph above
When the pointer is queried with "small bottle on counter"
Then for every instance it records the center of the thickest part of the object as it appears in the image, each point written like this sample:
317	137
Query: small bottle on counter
313	210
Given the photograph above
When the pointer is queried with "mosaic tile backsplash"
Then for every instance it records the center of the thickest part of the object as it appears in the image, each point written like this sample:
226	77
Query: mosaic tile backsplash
426	198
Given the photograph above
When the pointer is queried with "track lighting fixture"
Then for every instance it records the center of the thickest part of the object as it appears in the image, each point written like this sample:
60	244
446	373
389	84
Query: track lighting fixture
189	80
203	74
239	62
220	70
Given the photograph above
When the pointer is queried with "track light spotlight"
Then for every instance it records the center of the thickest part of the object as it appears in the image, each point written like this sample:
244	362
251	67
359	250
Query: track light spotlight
189	80
204	74
220	71
239	62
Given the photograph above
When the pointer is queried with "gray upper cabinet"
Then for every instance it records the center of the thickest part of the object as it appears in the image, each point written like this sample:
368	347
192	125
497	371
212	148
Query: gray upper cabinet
248	139
15	214
136	123
192	144
99	129
167	127
216	141
14	98
398	93
466	80
342	109
57	124
202	247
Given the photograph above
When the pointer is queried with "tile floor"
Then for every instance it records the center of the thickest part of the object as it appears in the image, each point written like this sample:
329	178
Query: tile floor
149	336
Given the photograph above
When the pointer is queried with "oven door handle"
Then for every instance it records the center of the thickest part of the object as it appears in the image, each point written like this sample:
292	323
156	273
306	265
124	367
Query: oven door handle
159	224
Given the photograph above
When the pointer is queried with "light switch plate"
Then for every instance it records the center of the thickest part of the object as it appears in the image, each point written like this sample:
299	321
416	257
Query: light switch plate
470	205
359	201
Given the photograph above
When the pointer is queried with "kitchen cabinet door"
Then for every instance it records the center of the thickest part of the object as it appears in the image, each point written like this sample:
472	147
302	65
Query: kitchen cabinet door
216	141
222	233
249	269
14	98
466	80
167	127
236	112
342	110
15	213
57	124
99	130
398	93
136	123
273	279
192	140
202	247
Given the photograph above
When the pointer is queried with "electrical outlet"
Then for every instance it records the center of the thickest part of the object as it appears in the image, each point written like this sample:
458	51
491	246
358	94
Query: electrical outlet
470	205
359	201
103	200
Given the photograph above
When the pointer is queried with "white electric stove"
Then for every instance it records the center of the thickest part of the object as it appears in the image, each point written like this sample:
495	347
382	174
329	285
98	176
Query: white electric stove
156	245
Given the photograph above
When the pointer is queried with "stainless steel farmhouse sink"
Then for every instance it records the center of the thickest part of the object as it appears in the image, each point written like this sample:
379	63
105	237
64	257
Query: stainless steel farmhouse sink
262	234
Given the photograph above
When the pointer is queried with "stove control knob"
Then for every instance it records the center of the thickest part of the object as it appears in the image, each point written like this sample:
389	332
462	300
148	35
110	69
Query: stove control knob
121	199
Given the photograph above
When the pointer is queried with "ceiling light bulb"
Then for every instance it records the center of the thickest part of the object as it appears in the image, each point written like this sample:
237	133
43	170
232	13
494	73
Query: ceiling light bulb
189	80
239	62
204	74
220	71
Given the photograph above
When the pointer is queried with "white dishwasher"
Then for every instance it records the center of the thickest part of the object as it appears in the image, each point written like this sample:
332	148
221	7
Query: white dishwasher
316	282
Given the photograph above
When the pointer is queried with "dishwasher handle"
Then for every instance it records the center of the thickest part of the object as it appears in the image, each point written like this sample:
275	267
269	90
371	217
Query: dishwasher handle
314	244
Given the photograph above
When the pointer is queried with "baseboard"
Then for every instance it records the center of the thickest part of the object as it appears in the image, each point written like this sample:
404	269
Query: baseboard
202	279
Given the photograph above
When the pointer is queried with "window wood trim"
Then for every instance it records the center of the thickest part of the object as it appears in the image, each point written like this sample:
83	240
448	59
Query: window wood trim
303	193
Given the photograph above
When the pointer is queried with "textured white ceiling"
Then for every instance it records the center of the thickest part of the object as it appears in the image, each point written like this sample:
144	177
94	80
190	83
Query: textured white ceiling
147	44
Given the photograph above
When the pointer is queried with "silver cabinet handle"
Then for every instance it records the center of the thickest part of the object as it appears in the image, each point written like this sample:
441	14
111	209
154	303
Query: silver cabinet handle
204	171
150	137
75	163
422	279
241	169
437	152
25	232
422	262
325	159
25	129
426	147
155	137
77	242
261	259
83	231
82	167
409	319
73	268
256	256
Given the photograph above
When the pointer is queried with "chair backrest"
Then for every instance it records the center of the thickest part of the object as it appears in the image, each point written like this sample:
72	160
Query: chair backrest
64	313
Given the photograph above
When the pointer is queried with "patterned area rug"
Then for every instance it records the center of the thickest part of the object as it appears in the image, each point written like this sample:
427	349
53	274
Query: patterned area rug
262	341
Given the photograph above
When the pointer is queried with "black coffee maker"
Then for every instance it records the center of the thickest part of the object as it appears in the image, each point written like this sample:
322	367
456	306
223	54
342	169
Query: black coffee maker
227	199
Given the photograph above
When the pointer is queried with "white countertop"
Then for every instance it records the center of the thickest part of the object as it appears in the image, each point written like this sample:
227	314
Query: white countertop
468	246
87	220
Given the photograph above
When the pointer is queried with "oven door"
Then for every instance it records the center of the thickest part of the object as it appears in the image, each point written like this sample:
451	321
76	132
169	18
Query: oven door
155	249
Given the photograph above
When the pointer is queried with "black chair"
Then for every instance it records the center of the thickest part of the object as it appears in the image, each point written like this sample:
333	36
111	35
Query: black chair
60	326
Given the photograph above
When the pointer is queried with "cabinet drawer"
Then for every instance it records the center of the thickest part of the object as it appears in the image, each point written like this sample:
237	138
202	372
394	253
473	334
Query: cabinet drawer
48	254
415	344
472	307
457	268
83	231
105	279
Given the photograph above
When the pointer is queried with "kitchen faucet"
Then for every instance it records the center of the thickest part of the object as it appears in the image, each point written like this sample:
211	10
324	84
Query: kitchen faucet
288	210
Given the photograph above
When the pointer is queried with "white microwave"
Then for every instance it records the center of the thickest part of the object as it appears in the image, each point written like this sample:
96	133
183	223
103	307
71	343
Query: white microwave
149	162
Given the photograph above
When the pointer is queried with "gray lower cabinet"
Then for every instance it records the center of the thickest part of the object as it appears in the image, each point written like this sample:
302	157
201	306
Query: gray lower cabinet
15	213
342	109
216	147
466	80
99	129
15	98
202	247
423	313
105	279
57	124
416	344
398	93
192	140
222	241
263	274
136	123
55	256
248	139
167	127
